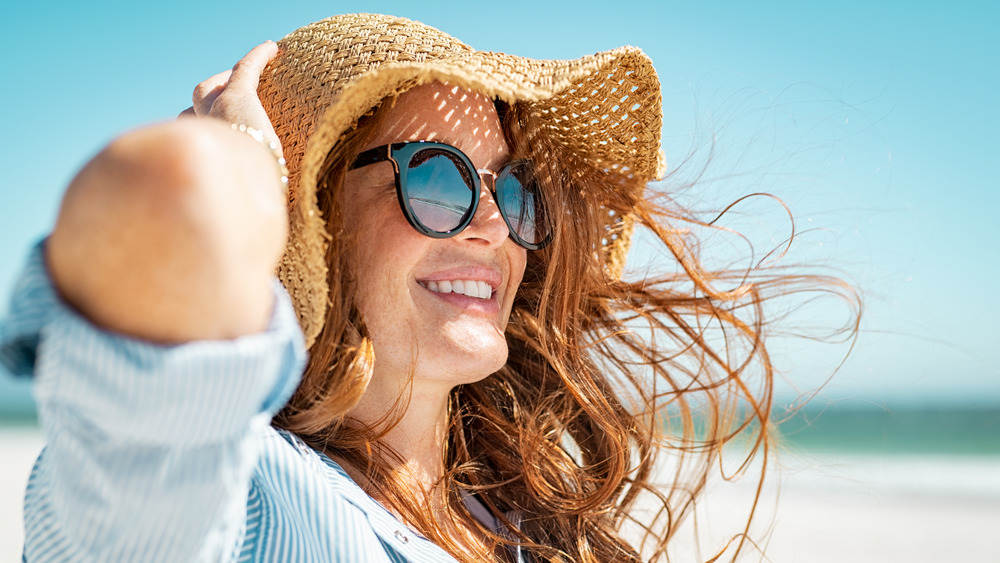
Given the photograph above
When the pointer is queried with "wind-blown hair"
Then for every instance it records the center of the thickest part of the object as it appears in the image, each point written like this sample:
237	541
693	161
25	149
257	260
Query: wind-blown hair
606	378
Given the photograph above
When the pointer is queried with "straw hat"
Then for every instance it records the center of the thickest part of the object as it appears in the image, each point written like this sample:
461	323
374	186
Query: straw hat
606	108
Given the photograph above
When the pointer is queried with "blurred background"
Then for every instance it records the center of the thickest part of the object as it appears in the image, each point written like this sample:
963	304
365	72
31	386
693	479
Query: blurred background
874	122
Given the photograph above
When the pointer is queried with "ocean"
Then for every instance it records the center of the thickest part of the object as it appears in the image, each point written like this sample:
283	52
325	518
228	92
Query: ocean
946	430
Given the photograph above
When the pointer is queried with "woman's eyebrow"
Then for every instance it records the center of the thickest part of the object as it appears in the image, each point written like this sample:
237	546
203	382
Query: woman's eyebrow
500	161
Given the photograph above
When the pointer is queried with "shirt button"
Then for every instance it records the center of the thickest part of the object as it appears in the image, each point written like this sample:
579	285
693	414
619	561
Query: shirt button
402	537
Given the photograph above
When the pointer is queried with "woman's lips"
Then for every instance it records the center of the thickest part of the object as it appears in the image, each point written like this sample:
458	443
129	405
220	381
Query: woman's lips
477	289
482	305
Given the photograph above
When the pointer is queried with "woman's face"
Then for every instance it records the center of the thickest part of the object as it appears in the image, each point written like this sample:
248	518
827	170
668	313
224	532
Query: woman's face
448	338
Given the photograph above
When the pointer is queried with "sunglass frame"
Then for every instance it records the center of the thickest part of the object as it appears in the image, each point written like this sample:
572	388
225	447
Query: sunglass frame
400	154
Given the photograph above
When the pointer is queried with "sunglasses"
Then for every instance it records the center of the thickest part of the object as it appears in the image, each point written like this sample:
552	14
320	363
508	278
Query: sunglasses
438	190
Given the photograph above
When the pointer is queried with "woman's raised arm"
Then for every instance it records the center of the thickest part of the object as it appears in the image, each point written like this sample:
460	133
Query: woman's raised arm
172	232
169	235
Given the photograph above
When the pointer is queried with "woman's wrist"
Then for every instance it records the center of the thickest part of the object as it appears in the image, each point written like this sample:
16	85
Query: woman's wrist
272	146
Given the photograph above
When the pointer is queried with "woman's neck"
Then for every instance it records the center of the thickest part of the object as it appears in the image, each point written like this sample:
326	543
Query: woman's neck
418	435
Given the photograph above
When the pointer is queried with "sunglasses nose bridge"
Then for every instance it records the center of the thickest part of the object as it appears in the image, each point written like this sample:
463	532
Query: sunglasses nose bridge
492	215
489	179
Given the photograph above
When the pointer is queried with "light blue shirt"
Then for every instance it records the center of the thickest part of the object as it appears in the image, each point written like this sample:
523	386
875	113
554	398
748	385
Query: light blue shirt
166	453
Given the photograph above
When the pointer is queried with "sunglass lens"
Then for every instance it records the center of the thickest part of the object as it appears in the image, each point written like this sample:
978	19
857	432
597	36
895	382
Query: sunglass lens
439	188
522	203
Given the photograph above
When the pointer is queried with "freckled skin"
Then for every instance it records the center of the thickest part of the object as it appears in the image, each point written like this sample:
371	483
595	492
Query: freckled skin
412	328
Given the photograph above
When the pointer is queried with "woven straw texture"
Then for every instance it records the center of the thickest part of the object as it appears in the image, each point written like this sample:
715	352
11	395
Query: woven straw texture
605	108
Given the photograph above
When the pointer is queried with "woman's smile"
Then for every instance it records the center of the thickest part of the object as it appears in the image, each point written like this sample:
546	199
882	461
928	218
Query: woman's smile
469	288
474	289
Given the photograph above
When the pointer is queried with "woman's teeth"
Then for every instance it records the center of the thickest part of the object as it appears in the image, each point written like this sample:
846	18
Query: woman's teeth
470	288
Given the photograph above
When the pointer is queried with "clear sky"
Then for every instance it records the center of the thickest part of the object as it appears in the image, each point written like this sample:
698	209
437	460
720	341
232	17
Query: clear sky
875	121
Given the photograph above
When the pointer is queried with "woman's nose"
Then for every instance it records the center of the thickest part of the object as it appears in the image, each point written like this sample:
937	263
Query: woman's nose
487	224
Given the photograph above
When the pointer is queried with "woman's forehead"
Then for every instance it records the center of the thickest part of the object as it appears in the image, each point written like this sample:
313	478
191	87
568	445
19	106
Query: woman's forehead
449	114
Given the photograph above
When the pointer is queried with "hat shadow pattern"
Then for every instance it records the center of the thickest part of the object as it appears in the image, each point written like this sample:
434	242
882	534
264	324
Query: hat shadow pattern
605	108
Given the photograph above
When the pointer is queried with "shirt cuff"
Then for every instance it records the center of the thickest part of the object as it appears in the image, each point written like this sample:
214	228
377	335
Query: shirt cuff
132	391
32	304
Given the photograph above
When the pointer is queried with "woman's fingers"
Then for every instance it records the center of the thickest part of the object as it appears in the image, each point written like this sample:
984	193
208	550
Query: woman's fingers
246	72
239	82
232	95
208	91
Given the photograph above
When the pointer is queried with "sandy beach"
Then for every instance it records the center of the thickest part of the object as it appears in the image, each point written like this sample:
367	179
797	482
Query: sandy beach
866	509
861	509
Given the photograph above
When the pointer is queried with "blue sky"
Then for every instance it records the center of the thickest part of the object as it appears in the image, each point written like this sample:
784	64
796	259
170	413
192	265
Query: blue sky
874	121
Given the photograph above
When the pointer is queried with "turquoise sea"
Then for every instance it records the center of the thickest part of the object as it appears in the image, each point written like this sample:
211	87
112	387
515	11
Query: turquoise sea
913	430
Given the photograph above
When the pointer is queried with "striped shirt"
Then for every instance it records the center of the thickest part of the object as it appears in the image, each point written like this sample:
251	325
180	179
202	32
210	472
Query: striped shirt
166	453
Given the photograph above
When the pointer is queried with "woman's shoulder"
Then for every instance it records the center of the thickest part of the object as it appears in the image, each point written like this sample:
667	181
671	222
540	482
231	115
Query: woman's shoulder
286	459
301	501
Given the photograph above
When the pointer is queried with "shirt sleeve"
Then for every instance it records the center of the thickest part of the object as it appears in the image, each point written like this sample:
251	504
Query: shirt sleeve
150	448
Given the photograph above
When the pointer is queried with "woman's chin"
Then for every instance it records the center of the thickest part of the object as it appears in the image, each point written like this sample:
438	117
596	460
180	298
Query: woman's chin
465	360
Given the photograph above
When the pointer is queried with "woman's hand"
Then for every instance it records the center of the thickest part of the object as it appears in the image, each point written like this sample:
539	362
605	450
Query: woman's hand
232	95
172	232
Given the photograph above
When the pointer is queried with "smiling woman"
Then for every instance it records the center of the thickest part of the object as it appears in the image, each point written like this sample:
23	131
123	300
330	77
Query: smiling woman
481	383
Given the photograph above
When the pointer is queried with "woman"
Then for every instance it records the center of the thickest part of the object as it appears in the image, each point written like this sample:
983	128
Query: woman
481	384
